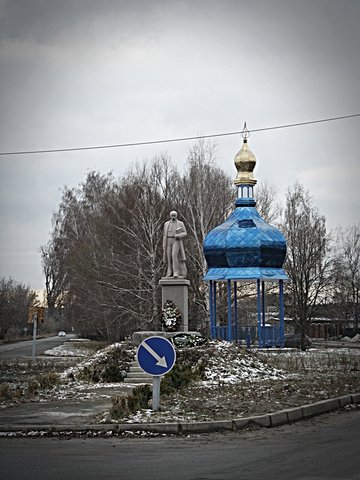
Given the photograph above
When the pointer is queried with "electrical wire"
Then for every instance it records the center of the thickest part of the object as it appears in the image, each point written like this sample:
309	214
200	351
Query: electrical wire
172	140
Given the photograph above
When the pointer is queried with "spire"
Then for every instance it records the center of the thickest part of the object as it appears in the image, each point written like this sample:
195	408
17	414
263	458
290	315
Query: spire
245	162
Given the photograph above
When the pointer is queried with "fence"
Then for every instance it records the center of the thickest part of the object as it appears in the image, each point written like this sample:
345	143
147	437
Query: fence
269	334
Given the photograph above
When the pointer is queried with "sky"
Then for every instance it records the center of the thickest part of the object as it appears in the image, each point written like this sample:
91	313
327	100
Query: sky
83	73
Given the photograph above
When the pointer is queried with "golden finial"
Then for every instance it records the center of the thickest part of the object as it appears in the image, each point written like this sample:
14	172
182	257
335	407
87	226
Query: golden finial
245	133
245	162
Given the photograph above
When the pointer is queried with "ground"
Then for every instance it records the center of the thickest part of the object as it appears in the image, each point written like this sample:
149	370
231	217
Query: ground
227	381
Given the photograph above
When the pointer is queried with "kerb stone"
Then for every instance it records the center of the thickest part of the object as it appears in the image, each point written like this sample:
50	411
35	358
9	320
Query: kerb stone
320	407
345	400
278	418
295	414
261	420
355	397
203	427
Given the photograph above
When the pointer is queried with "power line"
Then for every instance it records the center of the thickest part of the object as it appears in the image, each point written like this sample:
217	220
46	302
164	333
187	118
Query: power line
172	140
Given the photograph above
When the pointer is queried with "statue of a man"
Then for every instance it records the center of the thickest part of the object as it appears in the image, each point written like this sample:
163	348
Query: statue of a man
174	253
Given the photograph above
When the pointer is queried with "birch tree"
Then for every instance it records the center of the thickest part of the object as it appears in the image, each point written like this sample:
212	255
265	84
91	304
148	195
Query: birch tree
347	274
53	264
144	196
266	203
204	196
308	257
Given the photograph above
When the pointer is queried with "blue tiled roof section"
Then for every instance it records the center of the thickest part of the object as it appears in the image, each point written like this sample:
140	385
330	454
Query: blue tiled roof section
216	274
244	242
251	273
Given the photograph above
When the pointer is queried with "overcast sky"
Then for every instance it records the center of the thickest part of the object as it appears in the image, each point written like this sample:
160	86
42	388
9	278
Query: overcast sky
87	72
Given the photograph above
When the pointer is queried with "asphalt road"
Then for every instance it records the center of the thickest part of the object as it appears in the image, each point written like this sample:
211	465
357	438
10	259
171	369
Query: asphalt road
24	349
324	448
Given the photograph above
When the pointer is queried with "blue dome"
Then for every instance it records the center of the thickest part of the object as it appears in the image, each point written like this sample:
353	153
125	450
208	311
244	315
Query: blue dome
245	247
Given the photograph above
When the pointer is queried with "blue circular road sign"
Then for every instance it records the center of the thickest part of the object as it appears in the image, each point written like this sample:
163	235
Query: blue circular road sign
156	355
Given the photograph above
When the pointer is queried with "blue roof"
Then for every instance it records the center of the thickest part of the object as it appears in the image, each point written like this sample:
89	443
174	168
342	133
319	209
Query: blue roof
245	247
251	273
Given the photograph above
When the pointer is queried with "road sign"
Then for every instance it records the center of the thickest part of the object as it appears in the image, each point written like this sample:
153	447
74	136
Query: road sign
32	314
156	355
36	313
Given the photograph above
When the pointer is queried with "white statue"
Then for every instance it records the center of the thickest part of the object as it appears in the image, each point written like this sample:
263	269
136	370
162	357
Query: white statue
174	252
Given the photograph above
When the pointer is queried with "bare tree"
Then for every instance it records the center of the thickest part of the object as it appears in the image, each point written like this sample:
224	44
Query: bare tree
204	197
308	261
347	273
81	235
110	233
145	198
266	203
15	299
55	275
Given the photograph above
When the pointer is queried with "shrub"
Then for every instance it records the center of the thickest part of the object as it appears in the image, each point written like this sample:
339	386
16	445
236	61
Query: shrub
109	366
47	380
112	372
179	377
5	392
32	388
130	404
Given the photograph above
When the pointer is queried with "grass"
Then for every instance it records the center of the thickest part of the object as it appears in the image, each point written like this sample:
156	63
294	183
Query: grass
310	376
28	389
91	346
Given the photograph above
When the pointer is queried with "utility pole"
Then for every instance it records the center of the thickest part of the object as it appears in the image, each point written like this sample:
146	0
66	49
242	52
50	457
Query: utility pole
35	314
33	353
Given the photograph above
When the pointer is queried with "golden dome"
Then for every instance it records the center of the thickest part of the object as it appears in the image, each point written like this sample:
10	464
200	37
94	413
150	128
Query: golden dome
245	162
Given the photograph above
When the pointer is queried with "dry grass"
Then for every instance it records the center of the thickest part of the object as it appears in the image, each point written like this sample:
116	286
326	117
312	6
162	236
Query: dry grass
23	380
304	377
310	377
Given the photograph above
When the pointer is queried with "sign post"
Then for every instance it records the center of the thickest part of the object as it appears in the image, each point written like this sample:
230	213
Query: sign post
156	394
33	352
35	315
32	319
156	356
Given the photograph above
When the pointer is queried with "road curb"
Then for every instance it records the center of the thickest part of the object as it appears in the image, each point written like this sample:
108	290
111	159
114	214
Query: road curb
268	420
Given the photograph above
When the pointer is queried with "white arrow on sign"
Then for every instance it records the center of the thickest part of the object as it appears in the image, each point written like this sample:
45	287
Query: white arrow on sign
161	361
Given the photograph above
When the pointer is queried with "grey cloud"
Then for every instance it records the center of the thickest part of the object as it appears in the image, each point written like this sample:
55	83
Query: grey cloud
44	20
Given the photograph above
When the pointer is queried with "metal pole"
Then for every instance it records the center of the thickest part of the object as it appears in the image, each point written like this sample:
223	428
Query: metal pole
215	310
235	312
229	333
281	313
156	393
211	301
263	302
33	353
259	313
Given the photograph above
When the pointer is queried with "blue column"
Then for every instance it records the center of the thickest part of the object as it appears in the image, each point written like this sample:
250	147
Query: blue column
259	314
214	297
235	312
263	302
211	305
281	314
229	332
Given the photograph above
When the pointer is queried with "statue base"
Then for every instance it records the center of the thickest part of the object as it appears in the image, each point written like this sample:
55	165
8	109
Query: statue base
176	290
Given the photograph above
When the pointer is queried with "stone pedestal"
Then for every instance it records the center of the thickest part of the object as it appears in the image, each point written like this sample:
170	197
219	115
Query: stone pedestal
176	290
